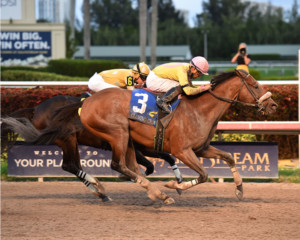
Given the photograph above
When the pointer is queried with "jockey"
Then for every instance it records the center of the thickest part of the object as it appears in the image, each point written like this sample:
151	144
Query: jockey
123	78
173	78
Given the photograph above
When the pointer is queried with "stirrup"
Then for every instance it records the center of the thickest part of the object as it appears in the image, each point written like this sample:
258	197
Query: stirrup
165	108
163	105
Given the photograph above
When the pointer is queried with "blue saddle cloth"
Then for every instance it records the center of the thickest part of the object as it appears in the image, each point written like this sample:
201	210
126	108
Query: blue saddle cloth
143	107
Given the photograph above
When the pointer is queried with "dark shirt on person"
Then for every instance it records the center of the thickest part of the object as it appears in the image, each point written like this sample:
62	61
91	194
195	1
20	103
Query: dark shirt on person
240	59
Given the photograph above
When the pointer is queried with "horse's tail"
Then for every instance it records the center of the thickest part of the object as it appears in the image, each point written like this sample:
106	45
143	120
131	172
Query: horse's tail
8	136
21	126
62	125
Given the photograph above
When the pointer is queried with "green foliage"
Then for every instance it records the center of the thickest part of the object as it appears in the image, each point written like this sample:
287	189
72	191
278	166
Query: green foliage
227	23
280	78
125	35
81	67
236	137
265	57
21	75
70	44
116	23
255	73
25	68
289	175
113	14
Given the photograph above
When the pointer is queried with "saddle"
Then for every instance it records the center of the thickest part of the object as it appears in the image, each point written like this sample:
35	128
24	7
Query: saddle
143	108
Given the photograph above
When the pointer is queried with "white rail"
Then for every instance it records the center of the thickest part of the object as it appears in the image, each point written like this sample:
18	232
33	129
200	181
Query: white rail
84	83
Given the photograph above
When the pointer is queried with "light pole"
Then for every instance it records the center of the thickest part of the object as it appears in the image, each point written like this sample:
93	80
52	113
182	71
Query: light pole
205	32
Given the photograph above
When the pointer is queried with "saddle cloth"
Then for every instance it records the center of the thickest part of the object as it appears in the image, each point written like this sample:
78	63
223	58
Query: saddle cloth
143	107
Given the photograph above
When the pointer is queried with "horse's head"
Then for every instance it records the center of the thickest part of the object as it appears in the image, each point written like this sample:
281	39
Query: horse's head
251	92
246	90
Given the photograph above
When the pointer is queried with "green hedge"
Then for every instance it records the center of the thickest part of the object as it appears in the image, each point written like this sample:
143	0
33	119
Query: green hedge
255	73
21	75
81	67
280	78
24	68
265	57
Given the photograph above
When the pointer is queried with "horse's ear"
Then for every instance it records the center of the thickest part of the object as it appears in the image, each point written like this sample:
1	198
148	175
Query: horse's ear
240	72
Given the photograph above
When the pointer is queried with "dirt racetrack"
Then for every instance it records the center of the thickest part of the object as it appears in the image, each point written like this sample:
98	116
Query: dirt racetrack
67	210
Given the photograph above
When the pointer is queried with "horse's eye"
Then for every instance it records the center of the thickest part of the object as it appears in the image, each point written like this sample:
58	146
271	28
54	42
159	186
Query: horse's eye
256	86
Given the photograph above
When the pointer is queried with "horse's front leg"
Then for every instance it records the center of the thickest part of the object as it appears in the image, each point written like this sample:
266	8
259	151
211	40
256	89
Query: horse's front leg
127	165
212	152
189	158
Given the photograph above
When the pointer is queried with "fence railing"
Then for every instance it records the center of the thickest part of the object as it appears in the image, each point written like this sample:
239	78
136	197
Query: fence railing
84	83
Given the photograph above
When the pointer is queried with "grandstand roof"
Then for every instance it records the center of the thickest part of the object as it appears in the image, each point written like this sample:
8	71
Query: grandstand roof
174	52
281	49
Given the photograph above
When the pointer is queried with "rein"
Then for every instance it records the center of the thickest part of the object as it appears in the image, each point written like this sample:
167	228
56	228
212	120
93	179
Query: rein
259	101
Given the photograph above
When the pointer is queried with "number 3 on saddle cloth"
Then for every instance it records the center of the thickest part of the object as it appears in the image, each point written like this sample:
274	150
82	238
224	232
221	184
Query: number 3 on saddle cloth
143	107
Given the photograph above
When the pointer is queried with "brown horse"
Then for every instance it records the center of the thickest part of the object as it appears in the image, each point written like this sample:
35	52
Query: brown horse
189	133
187	136
30	121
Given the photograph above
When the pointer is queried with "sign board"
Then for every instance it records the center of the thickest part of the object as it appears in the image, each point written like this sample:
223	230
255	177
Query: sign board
25	46
253	160
11	9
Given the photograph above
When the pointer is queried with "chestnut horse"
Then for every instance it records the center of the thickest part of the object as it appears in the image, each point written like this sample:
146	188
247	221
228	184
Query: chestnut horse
187	136
30	121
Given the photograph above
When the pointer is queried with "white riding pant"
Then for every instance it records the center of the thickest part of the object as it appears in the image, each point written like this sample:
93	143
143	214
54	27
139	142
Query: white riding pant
155	83
97	83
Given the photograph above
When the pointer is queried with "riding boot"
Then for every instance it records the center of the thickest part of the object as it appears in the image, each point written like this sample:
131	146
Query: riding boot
163	101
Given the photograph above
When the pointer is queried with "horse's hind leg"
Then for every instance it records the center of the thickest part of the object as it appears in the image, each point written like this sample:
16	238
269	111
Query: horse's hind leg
212	152
71	163
167	157
142	160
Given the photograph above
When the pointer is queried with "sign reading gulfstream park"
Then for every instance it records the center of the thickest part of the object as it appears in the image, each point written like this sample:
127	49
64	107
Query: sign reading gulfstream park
24	45
253	160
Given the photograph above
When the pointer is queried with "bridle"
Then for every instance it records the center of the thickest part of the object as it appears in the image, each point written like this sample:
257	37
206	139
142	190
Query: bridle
258	101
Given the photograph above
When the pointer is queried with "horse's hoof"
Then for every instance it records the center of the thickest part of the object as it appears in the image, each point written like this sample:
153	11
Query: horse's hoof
171	184
169	201
105	198
179	191
239	192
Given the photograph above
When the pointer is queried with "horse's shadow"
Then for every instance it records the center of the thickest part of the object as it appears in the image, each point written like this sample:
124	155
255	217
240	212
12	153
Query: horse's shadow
137	199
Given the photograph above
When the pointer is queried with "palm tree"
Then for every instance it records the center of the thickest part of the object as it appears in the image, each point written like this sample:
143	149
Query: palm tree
143	28
153	33
87	30
72	24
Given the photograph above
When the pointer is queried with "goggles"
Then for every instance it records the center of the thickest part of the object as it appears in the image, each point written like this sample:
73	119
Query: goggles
142	75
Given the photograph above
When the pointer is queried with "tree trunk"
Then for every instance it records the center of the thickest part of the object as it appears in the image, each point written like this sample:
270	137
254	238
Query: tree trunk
72	22
72	19
153	33
87	30
143	28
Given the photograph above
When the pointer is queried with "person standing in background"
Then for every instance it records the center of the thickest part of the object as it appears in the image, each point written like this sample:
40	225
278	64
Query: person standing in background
242	58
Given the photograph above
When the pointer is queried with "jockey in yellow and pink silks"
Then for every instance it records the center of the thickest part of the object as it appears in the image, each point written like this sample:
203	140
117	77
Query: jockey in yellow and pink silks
173	78
123	78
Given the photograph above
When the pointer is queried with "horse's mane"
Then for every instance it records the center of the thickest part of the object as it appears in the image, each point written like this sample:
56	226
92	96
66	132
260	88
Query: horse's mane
221	78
